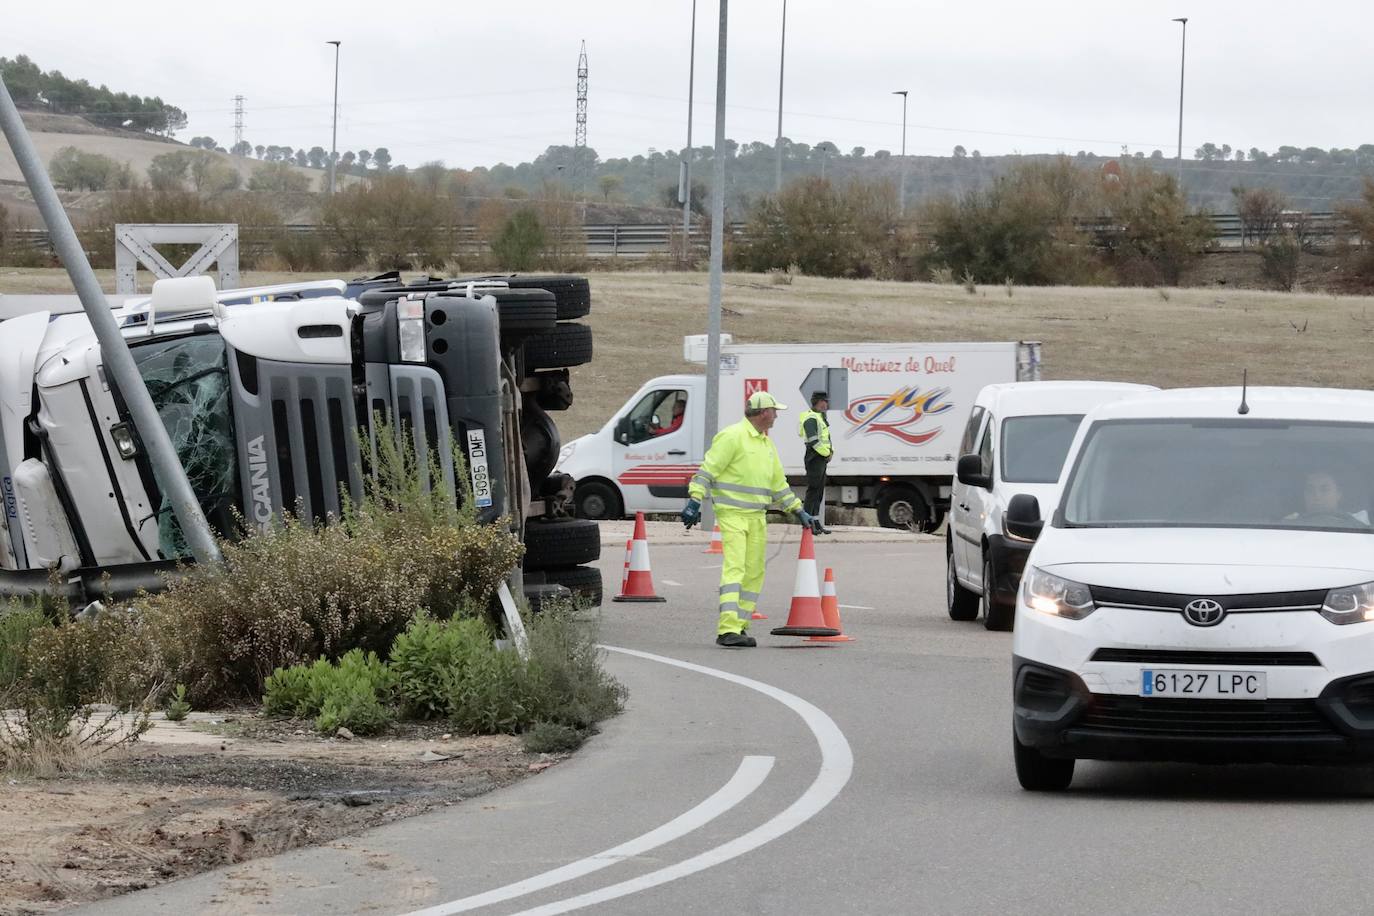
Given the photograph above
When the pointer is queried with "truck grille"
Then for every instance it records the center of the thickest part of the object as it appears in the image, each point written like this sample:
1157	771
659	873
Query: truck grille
1143	717
314	431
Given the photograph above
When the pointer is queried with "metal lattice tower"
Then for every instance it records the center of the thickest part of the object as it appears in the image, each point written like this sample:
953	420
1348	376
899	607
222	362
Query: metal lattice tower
238	120
580	136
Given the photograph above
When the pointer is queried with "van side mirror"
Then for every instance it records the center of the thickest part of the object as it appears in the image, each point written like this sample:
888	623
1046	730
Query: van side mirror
970	472
622	431
1022	518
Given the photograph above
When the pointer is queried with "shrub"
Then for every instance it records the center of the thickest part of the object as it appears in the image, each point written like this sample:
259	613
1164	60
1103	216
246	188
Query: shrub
425	657
17	625
552	738
824	229
77	170
1279	259
355	694
521	239
256	216
388	221
565	682
177	707
278	177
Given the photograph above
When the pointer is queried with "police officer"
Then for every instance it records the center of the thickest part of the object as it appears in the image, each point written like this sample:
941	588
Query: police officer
743	476
814	429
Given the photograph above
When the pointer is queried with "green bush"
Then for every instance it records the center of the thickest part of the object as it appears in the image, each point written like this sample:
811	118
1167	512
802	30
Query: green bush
355	694
521	240
79	662
564	681
1279	260
177	707
552	738
17	625
425	657
486	695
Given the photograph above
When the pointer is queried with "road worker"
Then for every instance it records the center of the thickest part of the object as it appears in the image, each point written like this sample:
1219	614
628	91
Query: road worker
814	429
743	477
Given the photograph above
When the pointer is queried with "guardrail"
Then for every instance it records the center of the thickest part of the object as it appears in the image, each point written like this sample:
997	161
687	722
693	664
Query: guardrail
628	240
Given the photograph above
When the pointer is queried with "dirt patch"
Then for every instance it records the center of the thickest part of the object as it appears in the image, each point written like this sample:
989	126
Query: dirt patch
195	796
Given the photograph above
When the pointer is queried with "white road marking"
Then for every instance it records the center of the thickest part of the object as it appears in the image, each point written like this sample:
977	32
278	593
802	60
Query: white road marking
750	775
856	607
837	763
671	582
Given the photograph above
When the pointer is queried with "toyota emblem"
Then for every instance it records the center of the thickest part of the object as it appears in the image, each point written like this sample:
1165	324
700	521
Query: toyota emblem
1203	612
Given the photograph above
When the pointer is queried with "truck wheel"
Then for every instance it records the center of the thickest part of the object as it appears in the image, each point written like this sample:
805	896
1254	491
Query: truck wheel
524	312
962	603
567	542
1038	773
996	614
583	581
566	345
900	506
574	294
597	500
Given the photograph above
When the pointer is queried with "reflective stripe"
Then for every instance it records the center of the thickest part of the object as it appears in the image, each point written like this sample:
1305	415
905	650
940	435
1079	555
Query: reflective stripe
748	596
727	589
741	488
737	503
781	494
703	476
728	606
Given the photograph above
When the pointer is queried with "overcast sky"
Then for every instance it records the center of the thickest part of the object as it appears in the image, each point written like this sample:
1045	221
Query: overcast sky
480	83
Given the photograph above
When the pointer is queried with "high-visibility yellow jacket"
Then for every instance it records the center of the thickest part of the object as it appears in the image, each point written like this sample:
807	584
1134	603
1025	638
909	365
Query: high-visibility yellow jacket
817	438
742	473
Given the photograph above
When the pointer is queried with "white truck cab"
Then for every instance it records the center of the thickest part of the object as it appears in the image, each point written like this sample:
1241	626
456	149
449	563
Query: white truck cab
1014	442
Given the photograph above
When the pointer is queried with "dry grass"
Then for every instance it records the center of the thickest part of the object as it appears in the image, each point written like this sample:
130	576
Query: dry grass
1199	336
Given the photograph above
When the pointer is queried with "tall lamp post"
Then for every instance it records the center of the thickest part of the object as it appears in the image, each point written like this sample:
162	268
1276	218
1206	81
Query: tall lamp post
1182	62
334	137
901	187
687	153
782	60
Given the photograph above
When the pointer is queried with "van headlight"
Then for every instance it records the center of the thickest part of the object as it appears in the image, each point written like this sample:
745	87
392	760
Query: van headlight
1352	604
1051	594
410	331
565	453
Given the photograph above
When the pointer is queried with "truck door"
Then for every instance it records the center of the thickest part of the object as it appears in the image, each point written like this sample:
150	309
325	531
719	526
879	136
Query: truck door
964	525
652	455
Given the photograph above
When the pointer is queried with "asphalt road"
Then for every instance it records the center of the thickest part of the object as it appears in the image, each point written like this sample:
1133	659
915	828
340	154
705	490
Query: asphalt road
736	793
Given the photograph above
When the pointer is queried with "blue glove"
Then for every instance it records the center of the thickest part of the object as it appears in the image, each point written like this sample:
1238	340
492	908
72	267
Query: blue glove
691	513
809	521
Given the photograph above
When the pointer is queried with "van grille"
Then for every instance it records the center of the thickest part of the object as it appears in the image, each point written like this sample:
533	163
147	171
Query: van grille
1130	716
1203	657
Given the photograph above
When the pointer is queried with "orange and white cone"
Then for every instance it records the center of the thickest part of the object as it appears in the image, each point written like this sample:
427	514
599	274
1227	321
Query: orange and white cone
639	581
830	610
716	545
625	573
805	617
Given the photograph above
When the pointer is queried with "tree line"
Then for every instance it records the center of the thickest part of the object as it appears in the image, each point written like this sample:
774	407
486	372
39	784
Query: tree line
33	88
363	162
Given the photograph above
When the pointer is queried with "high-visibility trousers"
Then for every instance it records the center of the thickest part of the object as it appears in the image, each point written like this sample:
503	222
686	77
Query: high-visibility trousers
744	539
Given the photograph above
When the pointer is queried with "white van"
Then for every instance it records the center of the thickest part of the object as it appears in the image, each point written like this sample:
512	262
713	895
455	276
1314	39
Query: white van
1203	588
1014	442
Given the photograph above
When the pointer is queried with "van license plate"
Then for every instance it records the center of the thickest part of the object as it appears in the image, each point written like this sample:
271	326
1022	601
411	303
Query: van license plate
1203	685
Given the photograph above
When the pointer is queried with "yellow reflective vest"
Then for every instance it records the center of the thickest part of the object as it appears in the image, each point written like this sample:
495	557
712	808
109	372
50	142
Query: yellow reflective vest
742	473
820	442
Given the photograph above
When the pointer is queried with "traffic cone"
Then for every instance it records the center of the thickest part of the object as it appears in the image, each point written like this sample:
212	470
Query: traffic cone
830	610
639	581
716	545
805	617
625	573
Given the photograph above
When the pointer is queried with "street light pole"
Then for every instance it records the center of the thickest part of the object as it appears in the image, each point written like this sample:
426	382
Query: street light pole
687	155
1182	62
712	423
901	188
334	137
782	60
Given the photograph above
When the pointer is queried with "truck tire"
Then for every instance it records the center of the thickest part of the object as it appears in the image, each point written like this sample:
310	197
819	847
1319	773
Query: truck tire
901	506
524	312
574	294
583	581
598	500
565	346
556	545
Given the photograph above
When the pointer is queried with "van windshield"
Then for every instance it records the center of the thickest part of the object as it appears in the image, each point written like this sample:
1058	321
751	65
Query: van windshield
1223	474
1033	448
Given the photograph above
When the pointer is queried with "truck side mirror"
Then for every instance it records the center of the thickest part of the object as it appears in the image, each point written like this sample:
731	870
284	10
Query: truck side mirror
1022	518
970	472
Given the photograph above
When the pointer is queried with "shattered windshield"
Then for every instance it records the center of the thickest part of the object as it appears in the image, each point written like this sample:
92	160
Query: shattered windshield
188	378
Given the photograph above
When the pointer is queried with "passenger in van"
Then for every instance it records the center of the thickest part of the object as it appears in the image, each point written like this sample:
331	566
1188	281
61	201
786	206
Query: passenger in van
1323	497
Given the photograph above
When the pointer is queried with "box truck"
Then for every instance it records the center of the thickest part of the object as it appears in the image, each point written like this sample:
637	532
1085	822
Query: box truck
897	412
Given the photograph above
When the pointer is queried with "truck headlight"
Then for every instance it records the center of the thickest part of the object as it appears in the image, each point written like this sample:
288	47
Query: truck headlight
1352	604
1051	594
410	320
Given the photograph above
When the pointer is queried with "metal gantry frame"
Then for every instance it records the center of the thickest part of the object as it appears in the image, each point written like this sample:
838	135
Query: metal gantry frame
135	244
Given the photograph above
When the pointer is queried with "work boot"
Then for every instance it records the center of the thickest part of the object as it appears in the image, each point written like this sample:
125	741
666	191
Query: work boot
736	641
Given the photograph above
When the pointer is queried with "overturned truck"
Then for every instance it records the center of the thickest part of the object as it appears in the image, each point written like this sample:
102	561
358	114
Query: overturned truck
264	392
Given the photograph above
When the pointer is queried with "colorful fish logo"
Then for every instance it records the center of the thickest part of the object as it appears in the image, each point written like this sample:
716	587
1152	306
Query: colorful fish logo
890	414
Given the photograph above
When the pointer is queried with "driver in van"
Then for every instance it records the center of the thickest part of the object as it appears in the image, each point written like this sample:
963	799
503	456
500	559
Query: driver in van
1322	497
679	410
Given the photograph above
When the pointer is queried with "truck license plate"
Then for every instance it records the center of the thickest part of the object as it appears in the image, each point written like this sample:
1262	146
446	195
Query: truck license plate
1203	685
477	466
